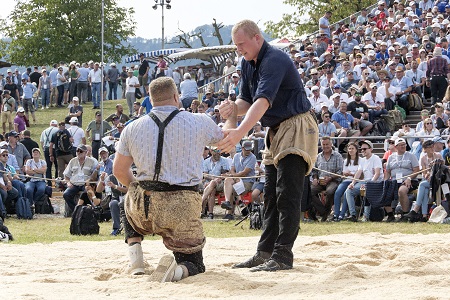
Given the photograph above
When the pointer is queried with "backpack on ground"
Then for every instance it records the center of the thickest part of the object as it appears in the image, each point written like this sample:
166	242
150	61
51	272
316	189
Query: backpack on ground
402	113
376	214
381	127
415	102
43	205
390	121
83	221
64	143
23	208
256	216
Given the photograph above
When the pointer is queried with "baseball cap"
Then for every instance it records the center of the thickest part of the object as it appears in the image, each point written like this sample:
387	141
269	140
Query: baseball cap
82	147
13	133
247	145
75	98
35	149
438	139
102	149
73	120
367	142
21	110
399	141
53	122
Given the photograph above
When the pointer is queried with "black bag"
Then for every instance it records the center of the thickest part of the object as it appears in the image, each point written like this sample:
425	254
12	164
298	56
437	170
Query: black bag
256	216
64	143
376	214
43	205
84	221
101	214
381	127
380	194
23	208
138	93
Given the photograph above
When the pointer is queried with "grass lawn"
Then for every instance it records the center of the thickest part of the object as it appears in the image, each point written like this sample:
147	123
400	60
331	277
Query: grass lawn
49	230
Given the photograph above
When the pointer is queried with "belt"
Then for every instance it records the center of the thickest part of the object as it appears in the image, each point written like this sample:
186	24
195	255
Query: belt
165	187
438	75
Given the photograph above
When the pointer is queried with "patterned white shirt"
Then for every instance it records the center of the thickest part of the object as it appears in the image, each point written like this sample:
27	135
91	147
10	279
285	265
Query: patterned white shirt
184	140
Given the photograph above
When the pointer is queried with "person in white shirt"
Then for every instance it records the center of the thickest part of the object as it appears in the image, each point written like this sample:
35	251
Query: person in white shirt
95	80
77	134
132	83
406	132
177	78
316	99
372	169
375	102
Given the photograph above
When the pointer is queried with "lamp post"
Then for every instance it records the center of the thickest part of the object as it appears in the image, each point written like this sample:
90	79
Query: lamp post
163	3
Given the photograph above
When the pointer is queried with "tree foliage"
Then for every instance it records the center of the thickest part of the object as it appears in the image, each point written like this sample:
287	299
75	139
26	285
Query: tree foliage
48	31
305	18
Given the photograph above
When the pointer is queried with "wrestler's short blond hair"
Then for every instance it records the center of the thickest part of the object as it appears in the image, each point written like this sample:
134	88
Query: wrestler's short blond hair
249	27
162	89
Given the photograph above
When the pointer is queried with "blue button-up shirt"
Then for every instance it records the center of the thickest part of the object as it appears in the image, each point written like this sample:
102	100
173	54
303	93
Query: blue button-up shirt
84	73
28	90
275	78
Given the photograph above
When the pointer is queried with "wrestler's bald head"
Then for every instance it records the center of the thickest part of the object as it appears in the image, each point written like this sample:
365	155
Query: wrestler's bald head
163	89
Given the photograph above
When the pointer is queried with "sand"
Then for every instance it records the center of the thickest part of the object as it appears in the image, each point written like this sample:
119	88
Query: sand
352	266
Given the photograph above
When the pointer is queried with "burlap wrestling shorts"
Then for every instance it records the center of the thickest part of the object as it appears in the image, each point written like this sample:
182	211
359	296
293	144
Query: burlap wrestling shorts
297	135
172	214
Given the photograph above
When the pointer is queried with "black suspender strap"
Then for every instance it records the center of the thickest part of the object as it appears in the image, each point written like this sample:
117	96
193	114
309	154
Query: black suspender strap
162	127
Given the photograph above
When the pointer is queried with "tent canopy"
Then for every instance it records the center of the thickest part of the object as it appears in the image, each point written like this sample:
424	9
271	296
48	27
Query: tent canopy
152	56
215	54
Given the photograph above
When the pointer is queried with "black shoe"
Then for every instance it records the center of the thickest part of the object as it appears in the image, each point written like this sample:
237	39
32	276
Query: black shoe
253	261
411	215
352	218
337	219
390	219
226	205
211	216
271	266
229	217
402	219
202	216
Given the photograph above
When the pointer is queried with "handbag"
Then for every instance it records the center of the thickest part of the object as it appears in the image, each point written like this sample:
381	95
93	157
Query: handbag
138	93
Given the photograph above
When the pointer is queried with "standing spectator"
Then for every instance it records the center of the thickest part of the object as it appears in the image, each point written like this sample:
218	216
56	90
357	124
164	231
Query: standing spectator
131	84
146	104
177	78
46	137
95	80
58	150
54	92
28	90
78	171
61	80
95	134
13	89
8	105
123	80
112	76
200	75
37	168
437	70
143	72
34	77
44	88
76	110
324	23
28	142
19	121
82	85
77	134
227	71
73	80
188	90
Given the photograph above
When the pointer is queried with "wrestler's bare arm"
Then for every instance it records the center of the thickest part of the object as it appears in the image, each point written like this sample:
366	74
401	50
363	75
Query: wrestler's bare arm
122	169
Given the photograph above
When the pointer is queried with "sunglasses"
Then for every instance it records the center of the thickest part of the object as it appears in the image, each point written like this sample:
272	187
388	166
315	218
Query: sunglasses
80	151
428	123
363	149
4	155
406	125
326	116
391	143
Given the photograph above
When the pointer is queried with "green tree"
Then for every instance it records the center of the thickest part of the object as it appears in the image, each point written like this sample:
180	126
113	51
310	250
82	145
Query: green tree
305	18
48	31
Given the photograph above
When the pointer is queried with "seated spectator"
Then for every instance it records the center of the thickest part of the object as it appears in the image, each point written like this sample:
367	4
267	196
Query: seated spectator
136	110
328	160
90	196
371	167
9	194
116	191
258	186
375	103
402	166
214	165
334	103
194	106
405	84
326	128
243	166
350	167
407	133
37	168
78	171
424	114
123	118
349	80
18	150
360	113
439	118
424	186
344	123
439	145
316	99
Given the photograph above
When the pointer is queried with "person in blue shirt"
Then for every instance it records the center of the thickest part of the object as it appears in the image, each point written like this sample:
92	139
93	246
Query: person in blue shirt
28	90
272	92
146	104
